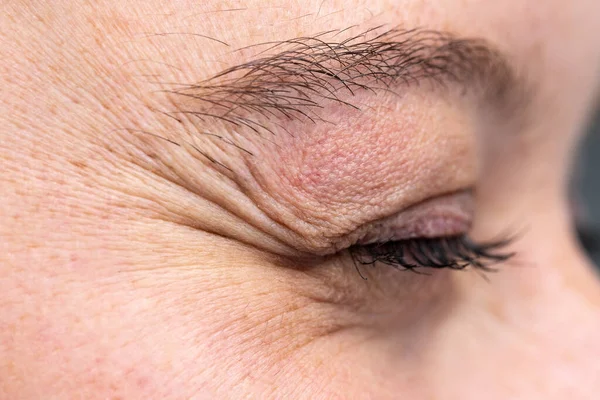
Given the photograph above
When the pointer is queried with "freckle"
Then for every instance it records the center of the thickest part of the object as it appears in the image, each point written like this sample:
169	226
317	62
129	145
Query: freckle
497	310
12	369
142	382
78	164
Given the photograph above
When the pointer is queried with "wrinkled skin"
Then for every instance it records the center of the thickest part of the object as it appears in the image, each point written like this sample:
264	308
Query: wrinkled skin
131	268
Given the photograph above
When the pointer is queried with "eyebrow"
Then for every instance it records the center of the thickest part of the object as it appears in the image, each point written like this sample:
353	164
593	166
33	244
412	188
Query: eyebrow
293	79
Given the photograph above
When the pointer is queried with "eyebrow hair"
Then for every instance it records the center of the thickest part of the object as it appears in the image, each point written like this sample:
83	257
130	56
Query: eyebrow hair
292	78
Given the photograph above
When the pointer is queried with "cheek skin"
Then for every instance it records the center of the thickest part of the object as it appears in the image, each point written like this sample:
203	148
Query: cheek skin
365	166
169	331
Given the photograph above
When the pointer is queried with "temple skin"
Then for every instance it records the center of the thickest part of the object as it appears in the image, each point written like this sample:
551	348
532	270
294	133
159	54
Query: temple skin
132	267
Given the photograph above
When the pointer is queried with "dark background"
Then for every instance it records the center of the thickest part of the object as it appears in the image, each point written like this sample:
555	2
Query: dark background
587	190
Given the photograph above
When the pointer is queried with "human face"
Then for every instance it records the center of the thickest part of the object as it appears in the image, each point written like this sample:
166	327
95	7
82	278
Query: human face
193	193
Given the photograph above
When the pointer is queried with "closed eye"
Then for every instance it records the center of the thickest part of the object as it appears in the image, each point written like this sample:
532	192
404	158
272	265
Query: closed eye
454	252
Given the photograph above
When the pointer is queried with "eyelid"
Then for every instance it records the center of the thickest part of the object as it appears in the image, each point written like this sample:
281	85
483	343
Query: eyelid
446	215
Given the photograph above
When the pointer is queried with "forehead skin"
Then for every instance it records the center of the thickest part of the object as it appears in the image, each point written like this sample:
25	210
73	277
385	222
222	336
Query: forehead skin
113	287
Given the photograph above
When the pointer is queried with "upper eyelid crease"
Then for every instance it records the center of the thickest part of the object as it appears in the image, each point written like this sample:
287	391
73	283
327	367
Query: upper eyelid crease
305	72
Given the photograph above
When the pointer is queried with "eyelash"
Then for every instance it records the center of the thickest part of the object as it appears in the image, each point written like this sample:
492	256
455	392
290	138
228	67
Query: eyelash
455	252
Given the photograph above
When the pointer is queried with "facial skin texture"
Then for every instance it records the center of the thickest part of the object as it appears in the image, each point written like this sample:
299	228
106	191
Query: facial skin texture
132	267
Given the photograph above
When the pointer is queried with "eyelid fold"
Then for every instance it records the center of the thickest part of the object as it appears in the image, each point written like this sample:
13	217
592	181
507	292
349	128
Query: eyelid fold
443	216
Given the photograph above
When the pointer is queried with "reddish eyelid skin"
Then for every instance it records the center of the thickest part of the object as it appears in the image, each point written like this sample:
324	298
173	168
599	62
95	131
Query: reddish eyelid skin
365	166
443	216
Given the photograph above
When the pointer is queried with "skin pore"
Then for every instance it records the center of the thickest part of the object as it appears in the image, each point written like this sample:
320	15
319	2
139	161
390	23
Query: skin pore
152	251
